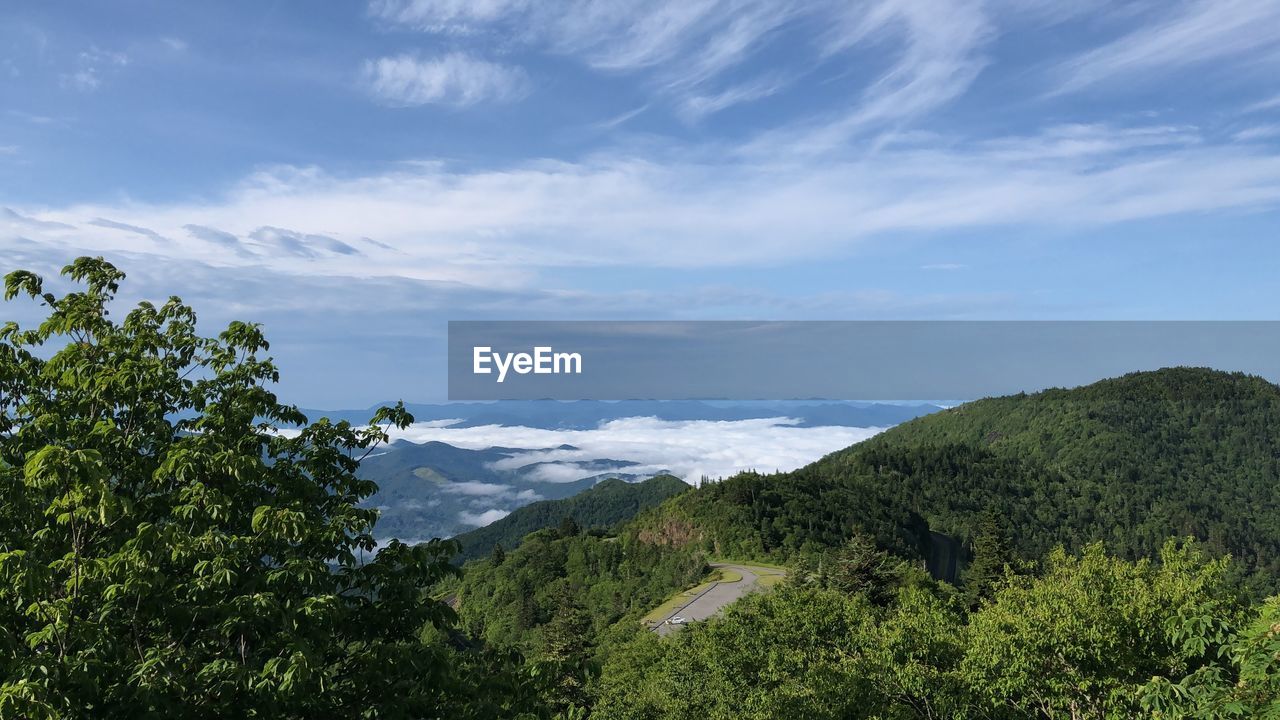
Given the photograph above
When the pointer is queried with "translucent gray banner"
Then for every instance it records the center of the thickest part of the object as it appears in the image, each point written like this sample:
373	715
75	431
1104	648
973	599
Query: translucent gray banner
862	360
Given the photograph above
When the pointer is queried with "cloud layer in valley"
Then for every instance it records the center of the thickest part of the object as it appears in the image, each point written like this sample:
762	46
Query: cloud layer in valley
688	449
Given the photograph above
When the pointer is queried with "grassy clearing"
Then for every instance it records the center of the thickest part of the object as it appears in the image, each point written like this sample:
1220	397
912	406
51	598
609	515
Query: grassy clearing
728	575
759	568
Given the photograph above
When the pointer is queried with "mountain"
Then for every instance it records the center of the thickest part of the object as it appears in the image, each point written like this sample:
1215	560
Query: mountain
589	414
608	503
434	489
1129	461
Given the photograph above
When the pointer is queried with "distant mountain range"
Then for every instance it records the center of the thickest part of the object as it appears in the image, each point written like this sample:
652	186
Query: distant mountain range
434	489
437	490
589	414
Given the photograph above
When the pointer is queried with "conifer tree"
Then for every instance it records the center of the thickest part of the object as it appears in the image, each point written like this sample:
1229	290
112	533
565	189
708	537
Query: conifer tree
991	558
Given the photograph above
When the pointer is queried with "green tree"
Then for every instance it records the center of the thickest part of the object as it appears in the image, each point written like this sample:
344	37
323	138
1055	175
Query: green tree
1083	639
991	558
564	654
165	552
797	652
915	658
498	556
1245	684
569	527
858	567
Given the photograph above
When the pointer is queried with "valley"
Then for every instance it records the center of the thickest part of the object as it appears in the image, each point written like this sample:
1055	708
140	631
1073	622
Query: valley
430	488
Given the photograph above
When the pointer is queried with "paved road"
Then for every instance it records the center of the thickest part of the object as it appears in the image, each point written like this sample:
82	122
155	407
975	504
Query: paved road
718	596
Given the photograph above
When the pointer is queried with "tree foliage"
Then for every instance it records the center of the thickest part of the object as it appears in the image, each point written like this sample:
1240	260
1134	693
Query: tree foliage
857	567
516	604
1244	682
1090	636
992	558
164	552
1083	637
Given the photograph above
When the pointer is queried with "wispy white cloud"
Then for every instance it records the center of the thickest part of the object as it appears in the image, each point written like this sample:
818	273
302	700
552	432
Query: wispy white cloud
126	227
620	119
495	227
454	79
477	489
695	107
300	244
218	237
1193	32
442	15
1260	132
944	266
938	48
941	55
694	41
32	118
682	44
91	67
1268	104
686	49
19	222
1084	141
483	518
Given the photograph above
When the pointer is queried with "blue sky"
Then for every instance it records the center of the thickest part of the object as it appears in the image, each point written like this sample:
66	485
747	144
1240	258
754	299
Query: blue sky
355	174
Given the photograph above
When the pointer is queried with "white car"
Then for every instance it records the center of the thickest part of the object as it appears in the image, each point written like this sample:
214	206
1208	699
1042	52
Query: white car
677	620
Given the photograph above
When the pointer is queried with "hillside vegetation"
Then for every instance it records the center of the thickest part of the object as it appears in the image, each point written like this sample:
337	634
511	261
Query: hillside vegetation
560	575
610	502
1087	636
1129	462
424	490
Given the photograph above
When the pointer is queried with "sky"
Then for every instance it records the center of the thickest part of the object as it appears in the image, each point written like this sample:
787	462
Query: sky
355	174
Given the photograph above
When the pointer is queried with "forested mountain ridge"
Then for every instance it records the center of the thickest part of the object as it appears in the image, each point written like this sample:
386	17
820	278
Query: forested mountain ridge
1128	461
1175	412
610	502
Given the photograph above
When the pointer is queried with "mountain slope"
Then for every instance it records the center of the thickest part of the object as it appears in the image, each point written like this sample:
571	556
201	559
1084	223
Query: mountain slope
1130	461
610	502
437	490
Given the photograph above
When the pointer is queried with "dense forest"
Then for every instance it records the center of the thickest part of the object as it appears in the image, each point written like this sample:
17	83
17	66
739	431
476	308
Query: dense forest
608	503
509	599
1129	462
1088	636
166	551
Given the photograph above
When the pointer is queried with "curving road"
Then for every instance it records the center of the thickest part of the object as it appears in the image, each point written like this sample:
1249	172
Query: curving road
717	597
